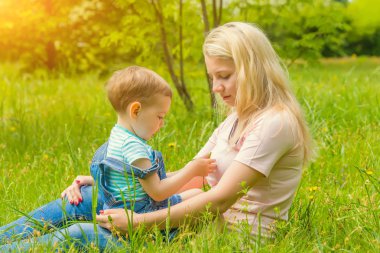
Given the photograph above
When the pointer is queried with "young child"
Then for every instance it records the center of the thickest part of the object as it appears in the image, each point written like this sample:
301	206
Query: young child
128	171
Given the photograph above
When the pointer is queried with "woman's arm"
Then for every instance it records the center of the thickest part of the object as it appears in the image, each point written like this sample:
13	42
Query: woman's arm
235	182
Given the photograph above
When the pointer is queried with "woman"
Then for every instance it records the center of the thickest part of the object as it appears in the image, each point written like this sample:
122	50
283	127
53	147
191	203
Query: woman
259	149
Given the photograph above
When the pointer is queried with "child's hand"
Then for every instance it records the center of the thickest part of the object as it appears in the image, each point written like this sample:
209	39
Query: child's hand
202	166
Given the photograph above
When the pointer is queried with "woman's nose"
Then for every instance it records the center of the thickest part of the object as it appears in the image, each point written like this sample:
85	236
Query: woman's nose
217	87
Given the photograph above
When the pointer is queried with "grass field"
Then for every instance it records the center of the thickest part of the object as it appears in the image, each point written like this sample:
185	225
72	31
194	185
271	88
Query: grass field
50	127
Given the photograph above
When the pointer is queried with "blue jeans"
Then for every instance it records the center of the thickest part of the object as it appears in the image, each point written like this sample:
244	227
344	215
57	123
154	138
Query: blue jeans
63	217
58	215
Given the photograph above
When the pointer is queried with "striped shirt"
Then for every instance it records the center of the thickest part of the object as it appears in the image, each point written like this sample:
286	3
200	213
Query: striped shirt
125	146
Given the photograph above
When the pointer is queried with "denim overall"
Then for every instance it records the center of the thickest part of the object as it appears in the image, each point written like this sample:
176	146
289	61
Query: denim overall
100	163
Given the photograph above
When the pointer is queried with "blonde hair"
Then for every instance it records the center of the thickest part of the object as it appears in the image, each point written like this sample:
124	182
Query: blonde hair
135	83
261	80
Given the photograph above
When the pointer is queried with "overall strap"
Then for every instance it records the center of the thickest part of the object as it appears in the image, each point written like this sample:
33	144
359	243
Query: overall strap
122	167
100	153
115	164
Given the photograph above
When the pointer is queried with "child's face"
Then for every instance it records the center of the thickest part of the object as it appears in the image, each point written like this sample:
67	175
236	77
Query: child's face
223	76
151	117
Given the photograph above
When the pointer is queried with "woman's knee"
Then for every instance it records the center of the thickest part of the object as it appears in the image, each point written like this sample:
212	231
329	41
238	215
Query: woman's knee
84	234
81	231
82	210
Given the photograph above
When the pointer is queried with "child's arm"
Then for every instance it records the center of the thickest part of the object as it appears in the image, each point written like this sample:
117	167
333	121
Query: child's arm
170	174
161	189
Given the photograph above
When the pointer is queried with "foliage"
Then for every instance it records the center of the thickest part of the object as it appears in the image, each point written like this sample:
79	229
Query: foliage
364	38
80	36
298	29
26	28
104	35
52	33
158	33
49	132
364	14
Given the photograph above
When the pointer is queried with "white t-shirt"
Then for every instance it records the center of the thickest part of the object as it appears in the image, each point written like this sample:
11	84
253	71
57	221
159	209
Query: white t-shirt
269	147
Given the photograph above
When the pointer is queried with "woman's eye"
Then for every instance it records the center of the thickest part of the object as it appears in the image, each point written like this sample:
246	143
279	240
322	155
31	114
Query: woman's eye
160	118
225	77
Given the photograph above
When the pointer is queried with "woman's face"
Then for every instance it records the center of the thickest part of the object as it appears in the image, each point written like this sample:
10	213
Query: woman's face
223	77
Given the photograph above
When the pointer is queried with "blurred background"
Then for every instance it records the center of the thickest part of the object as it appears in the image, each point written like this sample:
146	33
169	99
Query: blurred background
72	36
79	35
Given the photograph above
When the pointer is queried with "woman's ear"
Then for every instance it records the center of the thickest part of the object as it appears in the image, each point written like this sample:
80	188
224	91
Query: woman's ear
134	109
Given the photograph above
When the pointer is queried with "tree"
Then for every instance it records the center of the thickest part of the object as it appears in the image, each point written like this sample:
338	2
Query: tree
154	32
364	38
179	82
23	36
56	34
298	29
217	11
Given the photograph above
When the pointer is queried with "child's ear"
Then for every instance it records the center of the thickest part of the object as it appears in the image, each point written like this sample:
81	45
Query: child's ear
134	109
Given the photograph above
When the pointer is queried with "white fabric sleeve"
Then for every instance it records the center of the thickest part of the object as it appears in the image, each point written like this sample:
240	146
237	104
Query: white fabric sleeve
270	138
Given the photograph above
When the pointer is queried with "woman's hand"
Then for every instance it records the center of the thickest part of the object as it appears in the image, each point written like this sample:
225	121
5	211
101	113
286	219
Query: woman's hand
72	193
118	219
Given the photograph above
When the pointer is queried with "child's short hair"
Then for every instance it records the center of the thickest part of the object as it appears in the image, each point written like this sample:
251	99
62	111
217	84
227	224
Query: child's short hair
135	83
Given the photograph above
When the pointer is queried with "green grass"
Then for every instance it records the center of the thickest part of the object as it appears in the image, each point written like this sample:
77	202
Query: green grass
51	126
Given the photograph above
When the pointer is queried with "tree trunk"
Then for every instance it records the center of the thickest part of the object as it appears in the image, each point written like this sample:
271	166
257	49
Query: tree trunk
205	17
206	30
180	85
220	12
49	46
180	36
51	54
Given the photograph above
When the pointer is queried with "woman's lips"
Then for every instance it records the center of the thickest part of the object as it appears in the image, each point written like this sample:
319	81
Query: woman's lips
226	97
